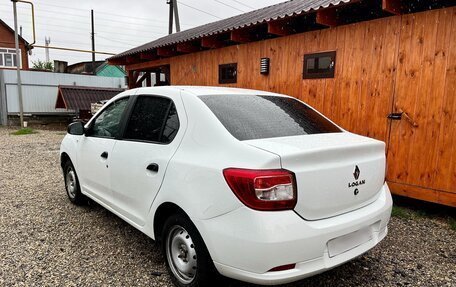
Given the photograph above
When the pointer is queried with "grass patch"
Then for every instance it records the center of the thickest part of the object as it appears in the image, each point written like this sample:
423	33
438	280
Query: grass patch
423	213
24	131
401	212
452	223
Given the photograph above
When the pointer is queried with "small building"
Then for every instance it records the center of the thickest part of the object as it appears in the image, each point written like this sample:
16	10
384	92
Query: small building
79	100
39	93
106	70
381	68
8	49
102	68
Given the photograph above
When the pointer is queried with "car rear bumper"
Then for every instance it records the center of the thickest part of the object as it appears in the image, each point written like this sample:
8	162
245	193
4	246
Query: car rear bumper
245	243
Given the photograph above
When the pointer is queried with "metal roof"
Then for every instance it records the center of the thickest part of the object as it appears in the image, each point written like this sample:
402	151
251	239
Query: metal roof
80	98
270	13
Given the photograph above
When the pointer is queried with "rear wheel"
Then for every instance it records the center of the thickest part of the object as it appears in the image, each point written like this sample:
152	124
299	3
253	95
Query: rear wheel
187	258
72	184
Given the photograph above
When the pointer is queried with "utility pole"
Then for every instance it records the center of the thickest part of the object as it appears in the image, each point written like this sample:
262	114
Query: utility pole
47	41
93	44
173	13
176	15
18	65
171	10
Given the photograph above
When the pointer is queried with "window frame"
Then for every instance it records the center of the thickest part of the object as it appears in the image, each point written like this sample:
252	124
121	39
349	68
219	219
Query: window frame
13	55
319	75
130	112
227	81
121	122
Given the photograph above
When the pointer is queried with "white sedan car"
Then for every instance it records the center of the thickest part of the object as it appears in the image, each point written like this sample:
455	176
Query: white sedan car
252	185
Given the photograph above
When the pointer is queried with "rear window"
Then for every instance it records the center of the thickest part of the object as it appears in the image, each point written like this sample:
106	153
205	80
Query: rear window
249	117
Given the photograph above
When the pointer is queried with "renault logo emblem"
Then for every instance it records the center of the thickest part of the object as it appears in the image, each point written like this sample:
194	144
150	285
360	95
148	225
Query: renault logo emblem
356	183
356	173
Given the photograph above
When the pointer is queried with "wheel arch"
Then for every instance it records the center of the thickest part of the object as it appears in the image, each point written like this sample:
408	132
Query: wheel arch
164	211
64	157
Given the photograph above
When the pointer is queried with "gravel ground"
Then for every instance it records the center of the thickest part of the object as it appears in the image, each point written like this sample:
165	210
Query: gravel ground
47	241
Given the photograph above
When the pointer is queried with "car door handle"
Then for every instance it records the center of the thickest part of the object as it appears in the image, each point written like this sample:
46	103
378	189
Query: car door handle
104	155
152	167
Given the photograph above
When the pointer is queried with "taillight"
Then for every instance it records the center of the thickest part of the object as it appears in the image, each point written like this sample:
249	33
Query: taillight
270	190
283	267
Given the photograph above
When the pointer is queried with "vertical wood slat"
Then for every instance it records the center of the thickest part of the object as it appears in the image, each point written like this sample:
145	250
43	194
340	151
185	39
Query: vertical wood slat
426	105
446	165
398	145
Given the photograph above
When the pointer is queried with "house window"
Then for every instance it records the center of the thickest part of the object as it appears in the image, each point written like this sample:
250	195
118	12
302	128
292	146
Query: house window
319	65
8	58
228	73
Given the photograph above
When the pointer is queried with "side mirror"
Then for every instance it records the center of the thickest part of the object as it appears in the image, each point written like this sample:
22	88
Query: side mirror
76	128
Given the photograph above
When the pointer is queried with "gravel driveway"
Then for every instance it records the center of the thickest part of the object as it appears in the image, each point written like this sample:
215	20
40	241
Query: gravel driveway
47	241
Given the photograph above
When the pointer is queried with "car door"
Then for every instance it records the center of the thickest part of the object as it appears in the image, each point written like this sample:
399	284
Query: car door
95	150
139	160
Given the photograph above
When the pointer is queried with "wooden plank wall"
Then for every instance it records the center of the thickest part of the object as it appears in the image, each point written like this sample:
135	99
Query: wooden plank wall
422	159
397	63
358	97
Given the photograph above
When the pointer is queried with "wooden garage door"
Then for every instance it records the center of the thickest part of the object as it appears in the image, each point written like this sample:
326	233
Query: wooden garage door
421	149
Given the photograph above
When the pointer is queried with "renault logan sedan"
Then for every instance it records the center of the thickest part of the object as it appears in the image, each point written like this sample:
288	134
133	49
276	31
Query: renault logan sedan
252	185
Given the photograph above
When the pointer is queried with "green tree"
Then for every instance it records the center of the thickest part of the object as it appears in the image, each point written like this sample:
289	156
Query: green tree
42	65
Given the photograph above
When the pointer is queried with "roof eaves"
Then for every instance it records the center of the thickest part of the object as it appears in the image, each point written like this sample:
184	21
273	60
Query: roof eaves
283	10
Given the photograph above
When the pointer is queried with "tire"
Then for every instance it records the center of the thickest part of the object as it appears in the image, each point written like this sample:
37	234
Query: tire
187	259
72	187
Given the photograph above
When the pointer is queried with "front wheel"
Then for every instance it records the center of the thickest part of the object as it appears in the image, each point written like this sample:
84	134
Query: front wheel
72	184
187	258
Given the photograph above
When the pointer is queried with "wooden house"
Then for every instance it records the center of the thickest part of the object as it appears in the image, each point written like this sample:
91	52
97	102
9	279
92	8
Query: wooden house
8	50
381	68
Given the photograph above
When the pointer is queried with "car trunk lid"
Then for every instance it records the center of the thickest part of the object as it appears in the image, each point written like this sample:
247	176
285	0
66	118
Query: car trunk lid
335	173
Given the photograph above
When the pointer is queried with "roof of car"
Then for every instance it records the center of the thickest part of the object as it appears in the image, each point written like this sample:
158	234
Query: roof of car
208	90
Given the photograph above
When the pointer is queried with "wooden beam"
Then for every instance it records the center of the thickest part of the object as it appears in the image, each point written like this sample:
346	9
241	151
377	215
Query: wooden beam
119	61
140	80
148	65
241	36
392	6
281	28
168	51
327	17
212	43
132	77
148	56
149	79
133	59
157	78
187	47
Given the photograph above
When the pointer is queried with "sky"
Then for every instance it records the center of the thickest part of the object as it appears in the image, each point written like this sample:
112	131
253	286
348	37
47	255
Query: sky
119	24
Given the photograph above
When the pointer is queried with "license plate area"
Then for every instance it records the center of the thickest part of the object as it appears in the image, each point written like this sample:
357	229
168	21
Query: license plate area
349	241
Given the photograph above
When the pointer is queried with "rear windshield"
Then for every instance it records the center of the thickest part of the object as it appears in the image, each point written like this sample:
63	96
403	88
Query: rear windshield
249	117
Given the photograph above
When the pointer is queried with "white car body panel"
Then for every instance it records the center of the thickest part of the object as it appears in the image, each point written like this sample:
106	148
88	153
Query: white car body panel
243	243
95	178
323	165
130	160
269	239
